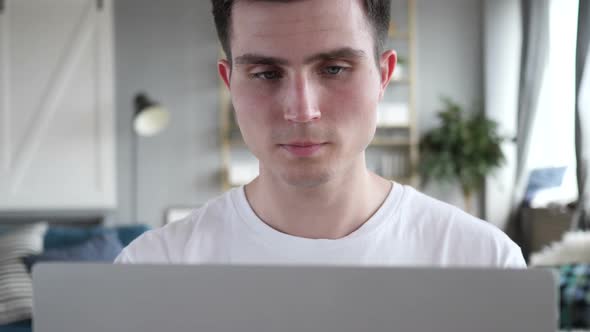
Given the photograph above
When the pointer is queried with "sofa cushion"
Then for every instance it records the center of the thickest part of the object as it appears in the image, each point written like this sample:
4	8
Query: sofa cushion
22	326
128	233
62	237
104	247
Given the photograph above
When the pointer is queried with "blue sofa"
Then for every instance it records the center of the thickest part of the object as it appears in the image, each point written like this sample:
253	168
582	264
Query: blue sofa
59	237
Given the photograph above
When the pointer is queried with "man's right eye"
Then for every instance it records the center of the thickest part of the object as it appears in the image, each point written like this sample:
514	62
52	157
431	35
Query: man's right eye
267	75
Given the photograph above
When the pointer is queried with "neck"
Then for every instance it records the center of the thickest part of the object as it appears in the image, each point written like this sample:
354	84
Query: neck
331	210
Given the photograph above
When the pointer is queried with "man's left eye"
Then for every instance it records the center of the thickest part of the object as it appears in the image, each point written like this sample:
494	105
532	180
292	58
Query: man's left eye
333	70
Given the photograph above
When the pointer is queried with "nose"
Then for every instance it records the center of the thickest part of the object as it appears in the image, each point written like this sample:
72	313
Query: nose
302	101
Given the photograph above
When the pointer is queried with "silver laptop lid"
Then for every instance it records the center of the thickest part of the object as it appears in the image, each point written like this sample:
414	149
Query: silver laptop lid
156	298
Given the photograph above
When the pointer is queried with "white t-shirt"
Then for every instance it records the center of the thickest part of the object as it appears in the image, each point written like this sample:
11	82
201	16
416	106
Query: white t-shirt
409	229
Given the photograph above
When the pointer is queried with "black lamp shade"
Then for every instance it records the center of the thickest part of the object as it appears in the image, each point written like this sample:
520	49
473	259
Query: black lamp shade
149	118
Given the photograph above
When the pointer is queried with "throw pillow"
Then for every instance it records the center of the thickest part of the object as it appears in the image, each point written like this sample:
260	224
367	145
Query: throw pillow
16	298
104	247
64	236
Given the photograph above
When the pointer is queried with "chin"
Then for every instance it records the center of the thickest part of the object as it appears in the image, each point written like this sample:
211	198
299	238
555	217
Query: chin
306	179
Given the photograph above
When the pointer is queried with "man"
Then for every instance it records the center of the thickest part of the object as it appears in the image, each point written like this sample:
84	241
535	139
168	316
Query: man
305	78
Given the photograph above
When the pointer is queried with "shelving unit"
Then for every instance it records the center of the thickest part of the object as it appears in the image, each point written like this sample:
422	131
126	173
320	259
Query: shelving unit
395	146
393	153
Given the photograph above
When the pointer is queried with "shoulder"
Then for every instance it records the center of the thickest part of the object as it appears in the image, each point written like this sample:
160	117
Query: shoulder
168	244
462	238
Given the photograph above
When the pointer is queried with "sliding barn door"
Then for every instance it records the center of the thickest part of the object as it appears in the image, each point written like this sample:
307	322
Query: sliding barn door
56	105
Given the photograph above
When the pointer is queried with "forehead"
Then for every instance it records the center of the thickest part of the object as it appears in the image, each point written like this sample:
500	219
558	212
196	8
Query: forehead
277	28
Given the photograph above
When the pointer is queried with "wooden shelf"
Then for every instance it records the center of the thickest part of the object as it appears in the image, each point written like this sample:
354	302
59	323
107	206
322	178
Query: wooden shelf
398	35
237	141
380	141
227	184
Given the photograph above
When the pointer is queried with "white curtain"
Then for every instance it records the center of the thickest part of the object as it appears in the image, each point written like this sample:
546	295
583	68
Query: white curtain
582	216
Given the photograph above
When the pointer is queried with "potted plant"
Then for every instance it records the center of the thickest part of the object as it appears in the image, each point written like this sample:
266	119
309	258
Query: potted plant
464	148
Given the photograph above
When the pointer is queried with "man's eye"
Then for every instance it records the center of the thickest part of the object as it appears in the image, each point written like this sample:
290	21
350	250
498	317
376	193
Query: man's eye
267	75
333	70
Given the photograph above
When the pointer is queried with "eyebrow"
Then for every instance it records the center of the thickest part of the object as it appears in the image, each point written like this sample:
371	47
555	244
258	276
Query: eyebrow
341	53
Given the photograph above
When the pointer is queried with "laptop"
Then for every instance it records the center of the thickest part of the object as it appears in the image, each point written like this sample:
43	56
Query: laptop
216	298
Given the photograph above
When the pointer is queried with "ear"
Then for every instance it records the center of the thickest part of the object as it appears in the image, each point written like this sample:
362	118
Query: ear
224	69
386	66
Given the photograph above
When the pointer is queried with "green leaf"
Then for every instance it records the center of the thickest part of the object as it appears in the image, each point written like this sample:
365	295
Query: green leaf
464	148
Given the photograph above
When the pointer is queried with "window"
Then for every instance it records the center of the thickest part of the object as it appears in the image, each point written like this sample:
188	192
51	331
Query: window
553	128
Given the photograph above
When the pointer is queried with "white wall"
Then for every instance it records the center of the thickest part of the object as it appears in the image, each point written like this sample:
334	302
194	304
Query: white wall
502	68
449	49
168	49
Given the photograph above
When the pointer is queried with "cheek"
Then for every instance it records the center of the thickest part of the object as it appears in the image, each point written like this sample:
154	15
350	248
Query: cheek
354	104
245	97
253	110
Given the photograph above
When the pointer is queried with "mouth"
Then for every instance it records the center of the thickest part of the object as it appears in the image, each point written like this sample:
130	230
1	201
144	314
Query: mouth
303	149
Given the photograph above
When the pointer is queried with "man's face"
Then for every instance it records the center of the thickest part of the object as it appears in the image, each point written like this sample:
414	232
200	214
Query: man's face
305	86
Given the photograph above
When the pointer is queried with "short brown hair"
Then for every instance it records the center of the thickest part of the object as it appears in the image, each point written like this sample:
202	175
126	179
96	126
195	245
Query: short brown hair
377	13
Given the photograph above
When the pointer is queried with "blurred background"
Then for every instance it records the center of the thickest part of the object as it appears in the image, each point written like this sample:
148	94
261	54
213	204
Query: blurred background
113	121
72	141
